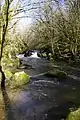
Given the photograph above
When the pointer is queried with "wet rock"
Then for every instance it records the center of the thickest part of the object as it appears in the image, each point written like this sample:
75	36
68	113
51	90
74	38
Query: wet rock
61	75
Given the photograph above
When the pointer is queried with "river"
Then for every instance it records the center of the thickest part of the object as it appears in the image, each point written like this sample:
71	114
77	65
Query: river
45	97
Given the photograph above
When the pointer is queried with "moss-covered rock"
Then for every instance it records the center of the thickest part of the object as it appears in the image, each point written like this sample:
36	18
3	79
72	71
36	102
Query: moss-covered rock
44	54
19	78
57	73
8	74
60	74
15	80
75	115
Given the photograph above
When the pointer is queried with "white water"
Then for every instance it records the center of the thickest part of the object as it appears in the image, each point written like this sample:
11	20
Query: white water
34	54
21	56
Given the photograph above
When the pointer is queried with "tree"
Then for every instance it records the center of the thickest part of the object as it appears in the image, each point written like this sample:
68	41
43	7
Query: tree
4	30
44	29
68	26
6	15
58	26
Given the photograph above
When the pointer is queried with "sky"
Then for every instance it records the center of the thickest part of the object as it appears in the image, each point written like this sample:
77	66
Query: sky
62	1
27	21
23	22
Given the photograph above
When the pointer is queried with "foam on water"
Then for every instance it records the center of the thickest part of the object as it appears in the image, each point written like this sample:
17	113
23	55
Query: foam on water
34	54
20	56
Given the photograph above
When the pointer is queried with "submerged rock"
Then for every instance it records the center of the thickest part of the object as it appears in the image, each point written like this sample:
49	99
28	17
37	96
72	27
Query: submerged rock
57	74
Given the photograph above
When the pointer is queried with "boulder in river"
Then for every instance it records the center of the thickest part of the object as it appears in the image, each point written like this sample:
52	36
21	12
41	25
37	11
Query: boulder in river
20	78
57	73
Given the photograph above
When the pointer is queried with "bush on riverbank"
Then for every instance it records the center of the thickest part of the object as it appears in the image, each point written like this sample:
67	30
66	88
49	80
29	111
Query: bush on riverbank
7	62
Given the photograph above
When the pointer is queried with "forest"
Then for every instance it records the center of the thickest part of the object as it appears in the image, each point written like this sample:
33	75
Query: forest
54	30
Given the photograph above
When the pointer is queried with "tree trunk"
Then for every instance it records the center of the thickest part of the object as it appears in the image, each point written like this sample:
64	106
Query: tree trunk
1	53
5	25
2	78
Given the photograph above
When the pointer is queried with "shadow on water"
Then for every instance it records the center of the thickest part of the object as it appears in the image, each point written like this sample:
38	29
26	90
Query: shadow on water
8	109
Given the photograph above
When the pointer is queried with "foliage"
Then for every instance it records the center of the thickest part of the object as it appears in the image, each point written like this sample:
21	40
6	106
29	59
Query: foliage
7	14
7	62
58	30
55	28
8	74
13	41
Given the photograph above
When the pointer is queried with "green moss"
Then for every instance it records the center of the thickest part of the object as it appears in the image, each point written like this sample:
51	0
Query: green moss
8	74
15	80
75	115
44	54
19	78
60	74
57	73
7	62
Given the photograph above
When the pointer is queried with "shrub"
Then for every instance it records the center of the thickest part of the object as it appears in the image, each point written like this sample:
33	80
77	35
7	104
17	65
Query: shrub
10	62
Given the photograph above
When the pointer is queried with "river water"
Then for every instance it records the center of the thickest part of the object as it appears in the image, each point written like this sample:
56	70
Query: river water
44	97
